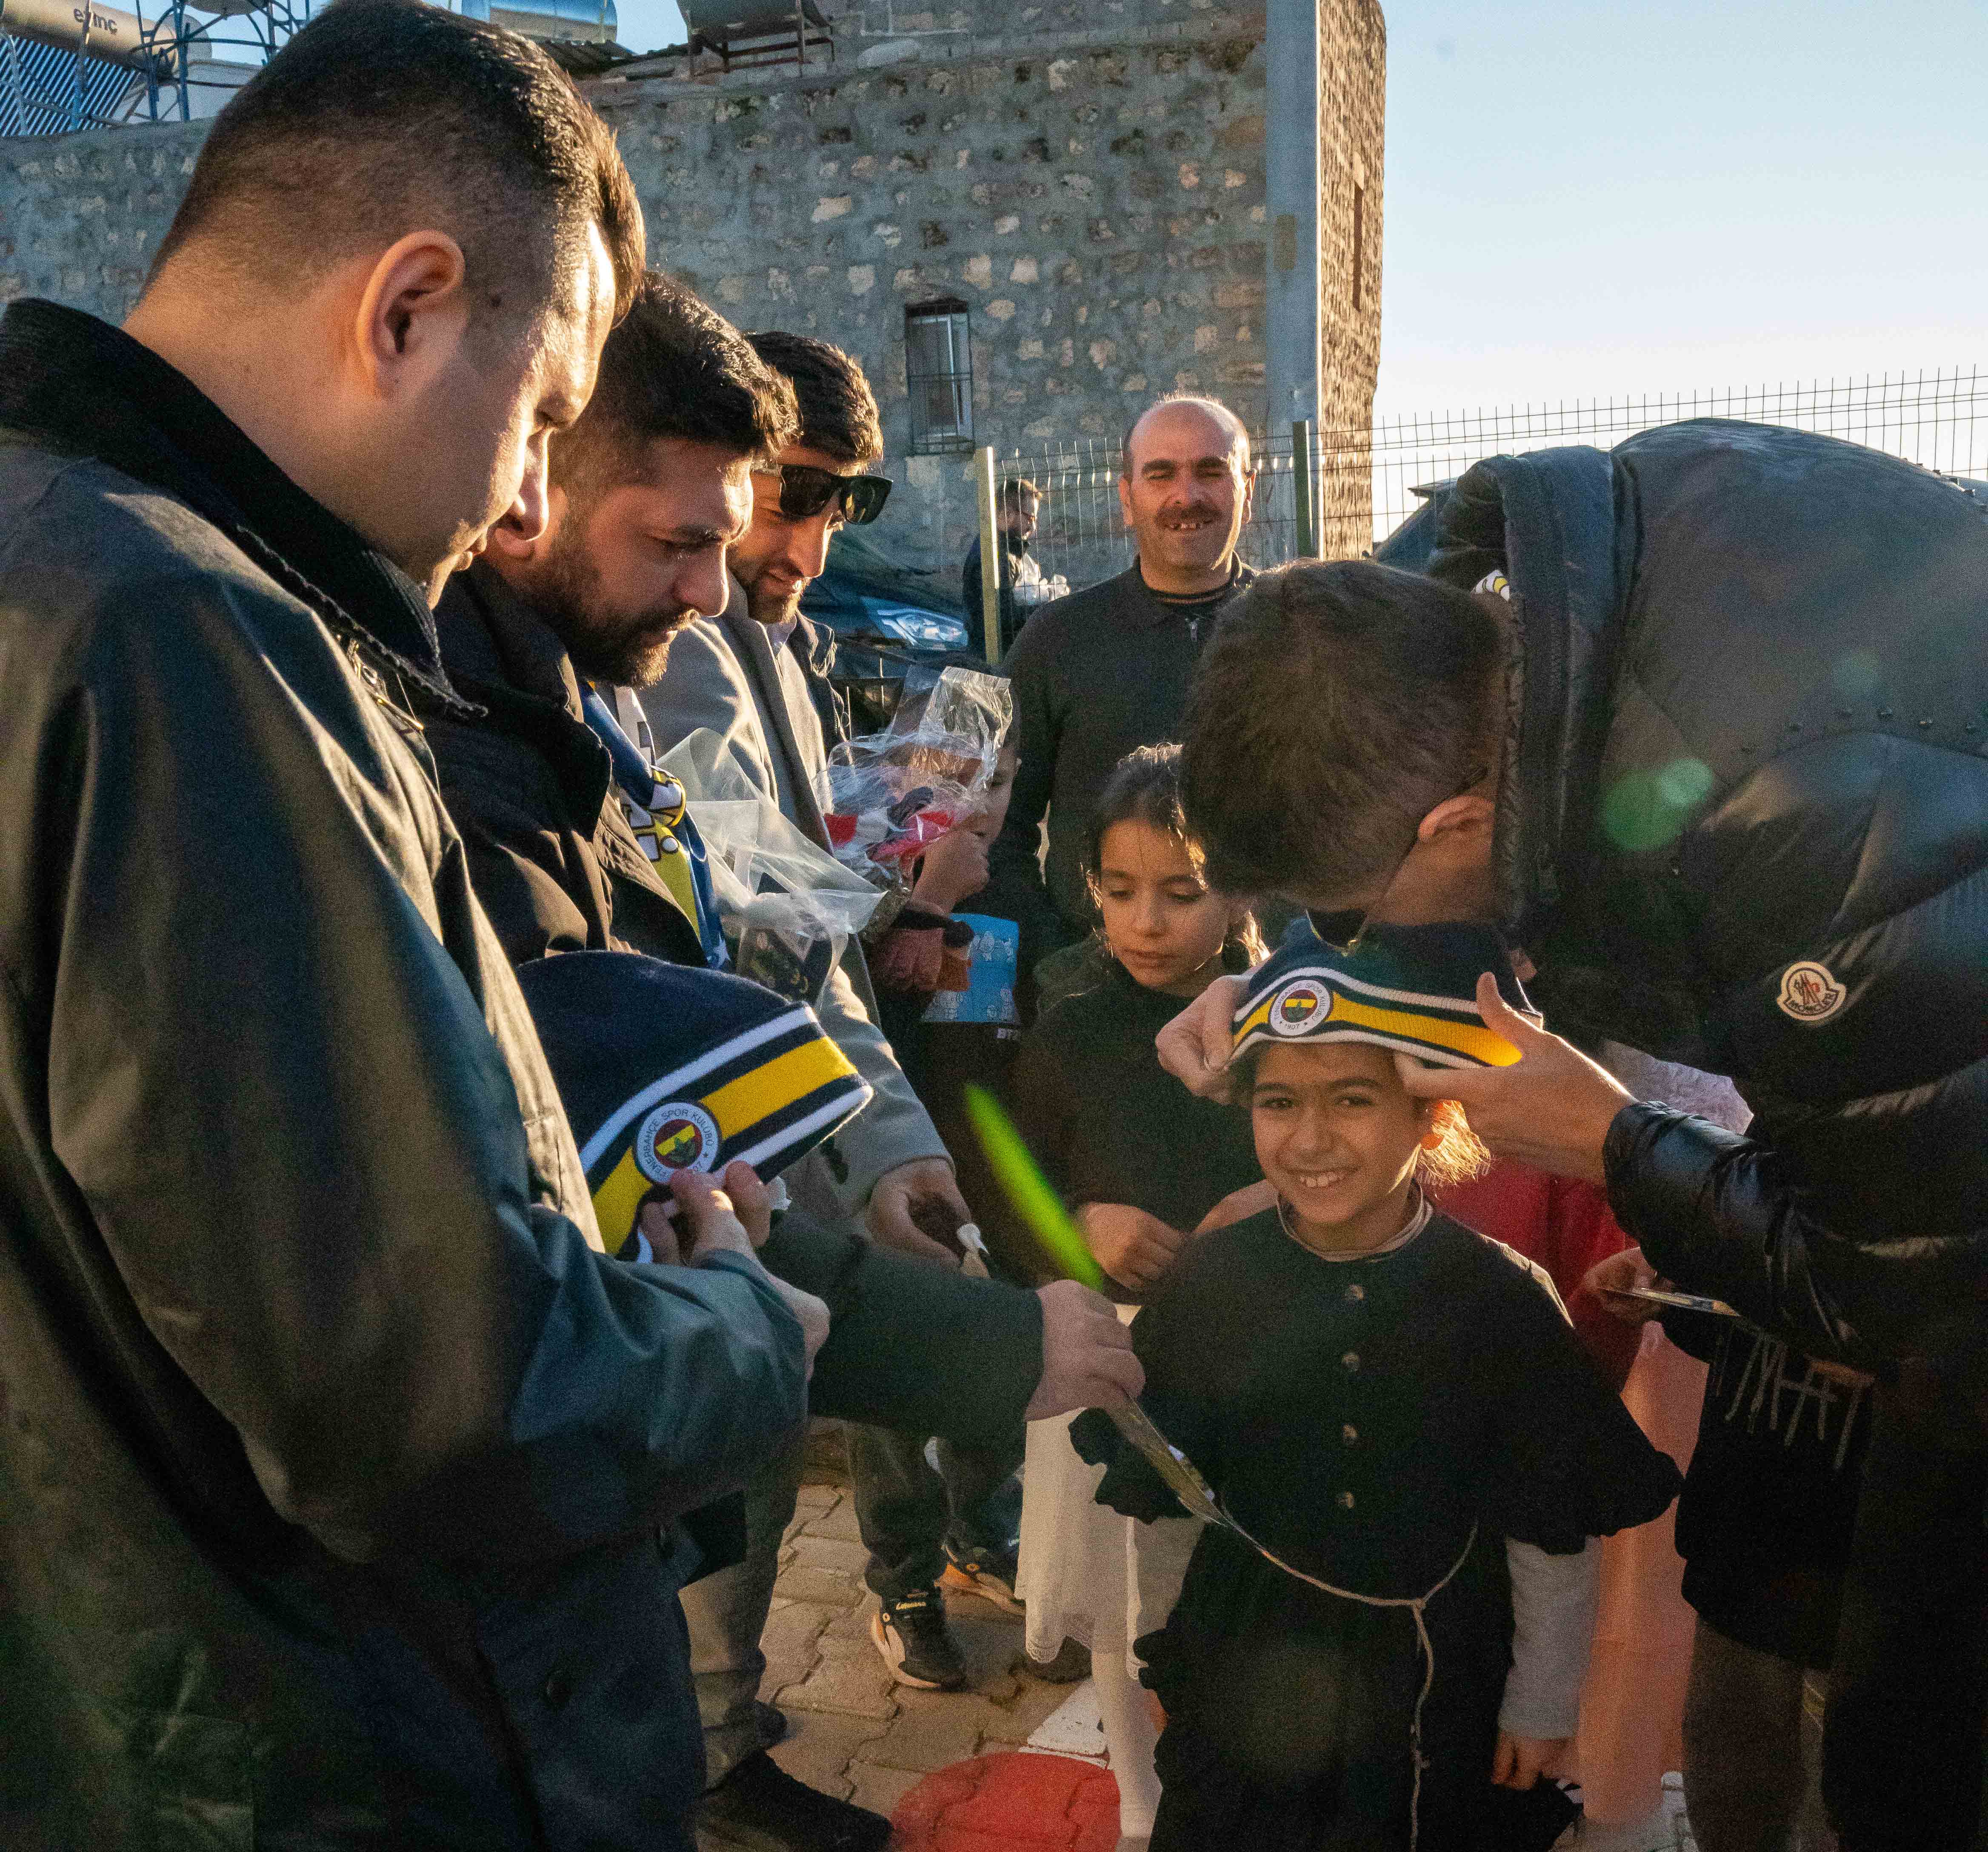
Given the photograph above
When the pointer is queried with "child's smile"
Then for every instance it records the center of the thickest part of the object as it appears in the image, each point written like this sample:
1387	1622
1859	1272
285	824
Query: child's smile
1338	1134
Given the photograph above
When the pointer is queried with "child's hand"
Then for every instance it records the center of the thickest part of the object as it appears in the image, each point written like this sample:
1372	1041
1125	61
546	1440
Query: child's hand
953	867
1135	1248
910	960
1520	1761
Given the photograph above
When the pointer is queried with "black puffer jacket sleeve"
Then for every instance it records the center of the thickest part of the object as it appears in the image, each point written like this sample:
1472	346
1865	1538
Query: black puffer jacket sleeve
1719	1211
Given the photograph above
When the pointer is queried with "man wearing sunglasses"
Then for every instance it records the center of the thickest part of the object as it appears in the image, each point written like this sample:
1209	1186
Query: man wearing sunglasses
754	677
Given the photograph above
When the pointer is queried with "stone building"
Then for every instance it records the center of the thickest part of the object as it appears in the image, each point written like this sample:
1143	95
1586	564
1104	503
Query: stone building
1025	219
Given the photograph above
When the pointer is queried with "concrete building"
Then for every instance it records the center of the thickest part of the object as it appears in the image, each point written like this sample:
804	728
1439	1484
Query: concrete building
1025	220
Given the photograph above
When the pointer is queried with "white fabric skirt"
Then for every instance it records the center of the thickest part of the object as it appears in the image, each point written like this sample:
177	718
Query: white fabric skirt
1088	1573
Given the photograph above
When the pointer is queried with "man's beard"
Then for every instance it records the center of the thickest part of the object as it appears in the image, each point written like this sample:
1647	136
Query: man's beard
566	591
772	607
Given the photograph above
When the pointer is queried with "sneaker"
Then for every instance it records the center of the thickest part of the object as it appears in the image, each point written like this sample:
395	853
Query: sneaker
769	1723
987	1574
911	1634
760	1807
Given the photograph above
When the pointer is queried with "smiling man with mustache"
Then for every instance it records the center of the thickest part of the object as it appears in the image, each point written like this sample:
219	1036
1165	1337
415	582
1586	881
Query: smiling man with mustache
1104	671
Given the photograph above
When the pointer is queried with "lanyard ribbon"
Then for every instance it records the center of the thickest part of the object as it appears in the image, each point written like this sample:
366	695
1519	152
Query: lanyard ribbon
663	799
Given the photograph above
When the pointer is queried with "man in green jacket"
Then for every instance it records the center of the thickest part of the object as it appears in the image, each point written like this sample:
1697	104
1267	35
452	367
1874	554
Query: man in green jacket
546	636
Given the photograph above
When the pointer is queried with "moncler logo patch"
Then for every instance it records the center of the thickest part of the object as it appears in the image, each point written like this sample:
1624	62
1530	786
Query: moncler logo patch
677	1136
1809	993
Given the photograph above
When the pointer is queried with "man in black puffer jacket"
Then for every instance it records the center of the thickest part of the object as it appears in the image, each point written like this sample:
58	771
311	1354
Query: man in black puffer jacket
1715	758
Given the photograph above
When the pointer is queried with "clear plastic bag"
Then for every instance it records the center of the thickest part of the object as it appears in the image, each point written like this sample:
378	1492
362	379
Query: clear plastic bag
787	908
889	795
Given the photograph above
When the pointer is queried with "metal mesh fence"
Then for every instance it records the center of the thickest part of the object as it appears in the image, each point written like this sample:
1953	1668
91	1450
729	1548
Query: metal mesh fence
1367	479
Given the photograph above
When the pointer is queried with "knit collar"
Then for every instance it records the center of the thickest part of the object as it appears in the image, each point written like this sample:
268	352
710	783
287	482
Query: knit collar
1146	609
77	386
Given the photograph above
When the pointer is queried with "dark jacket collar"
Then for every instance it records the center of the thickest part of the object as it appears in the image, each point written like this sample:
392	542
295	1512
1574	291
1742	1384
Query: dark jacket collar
1547	521
490	635
77	386
505	657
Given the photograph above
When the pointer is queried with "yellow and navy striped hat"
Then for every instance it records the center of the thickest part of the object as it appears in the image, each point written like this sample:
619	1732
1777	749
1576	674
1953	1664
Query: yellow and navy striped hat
1411	988
662	1068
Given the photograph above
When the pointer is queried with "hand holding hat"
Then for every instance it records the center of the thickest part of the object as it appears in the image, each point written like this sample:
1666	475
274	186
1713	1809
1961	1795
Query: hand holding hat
715	1227
1550	1109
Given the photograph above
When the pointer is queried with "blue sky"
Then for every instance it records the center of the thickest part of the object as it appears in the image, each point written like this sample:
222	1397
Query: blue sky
1607	196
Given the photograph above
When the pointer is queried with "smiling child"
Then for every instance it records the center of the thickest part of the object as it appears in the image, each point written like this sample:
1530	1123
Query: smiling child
1394	1408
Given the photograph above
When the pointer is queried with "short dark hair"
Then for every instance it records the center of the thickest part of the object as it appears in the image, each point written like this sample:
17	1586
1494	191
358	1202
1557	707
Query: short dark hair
839	414
383	116
1336	705
673	367
1014	487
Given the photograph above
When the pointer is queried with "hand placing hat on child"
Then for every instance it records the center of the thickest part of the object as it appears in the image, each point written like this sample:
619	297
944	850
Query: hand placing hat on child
1551	1109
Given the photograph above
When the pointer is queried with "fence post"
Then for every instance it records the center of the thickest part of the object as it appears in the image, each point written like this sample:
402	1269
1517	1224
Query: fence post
1303	499
990	551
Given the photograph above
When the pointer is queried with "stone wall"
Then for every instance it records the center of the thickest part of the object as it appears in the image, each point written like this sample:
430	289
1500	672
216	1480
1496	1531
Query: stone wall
1352	77
1095	196
80	215
1087	178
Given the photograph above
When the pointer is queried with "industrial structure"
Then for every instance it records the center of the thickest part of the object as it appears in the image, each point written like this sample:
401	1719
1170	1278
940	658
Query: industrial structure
68	65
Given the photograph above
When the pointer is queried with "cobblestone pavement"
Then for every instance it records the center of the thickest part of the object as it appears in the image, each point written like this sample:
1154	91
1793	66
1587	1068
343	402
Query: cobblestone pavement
854	1731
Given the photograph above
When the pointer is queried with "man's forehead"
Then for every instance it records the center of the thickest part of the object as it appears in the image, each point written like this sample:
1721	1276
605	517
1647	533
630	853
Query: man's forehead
576	327
689	485
1184	434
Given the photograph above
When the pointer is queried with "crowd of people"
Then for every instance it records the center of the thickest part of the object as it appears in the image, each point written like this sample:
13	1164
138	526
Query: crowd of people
424	1254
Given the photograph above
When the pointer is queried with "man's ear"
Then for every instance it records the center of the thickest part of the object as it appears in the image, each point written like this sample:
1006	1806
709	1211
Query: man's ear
1458	822
1125	501
412	312
509	544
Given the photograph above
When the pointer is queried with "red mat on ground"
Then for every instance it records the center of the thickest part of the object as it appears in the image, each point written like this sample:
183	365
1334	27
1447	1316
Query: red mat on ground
1012	1802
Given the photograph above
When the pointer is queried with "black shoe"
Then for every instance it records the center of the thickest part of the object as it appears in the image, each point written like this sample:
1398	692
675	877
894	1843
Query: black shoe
1071	1663
989	1573
769	1723
760	1806
911	1634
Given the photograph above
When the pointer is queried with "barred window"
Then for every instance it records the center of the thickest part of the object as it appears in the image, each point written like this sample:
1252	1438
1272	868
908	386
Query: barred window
939	375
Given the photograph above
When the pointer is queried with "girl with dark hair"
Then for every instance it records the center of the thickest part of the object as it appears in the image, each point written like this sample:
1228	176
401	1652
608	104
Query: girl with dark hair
1142	1163
1380	1644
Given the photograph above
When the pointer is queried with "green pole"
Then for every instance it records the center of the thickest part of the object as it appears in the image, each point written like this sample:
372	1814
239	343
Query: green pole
990	551
1303	490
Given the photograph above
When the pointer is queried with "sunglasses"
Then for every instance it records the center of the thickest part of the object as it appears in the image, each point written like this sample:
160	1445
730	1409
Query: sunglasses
806	491
1340	930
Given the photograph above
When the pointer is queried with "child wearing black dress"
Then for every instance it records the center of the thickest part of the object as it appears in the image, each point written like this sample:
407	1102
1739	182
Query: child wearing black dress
1396	1413
1142	1162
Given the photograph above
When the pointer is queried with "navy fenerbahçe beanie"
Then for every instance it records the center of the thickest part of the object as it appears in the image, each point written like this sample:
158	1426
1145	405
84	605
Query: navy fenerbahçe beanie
1411	988
662	1068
